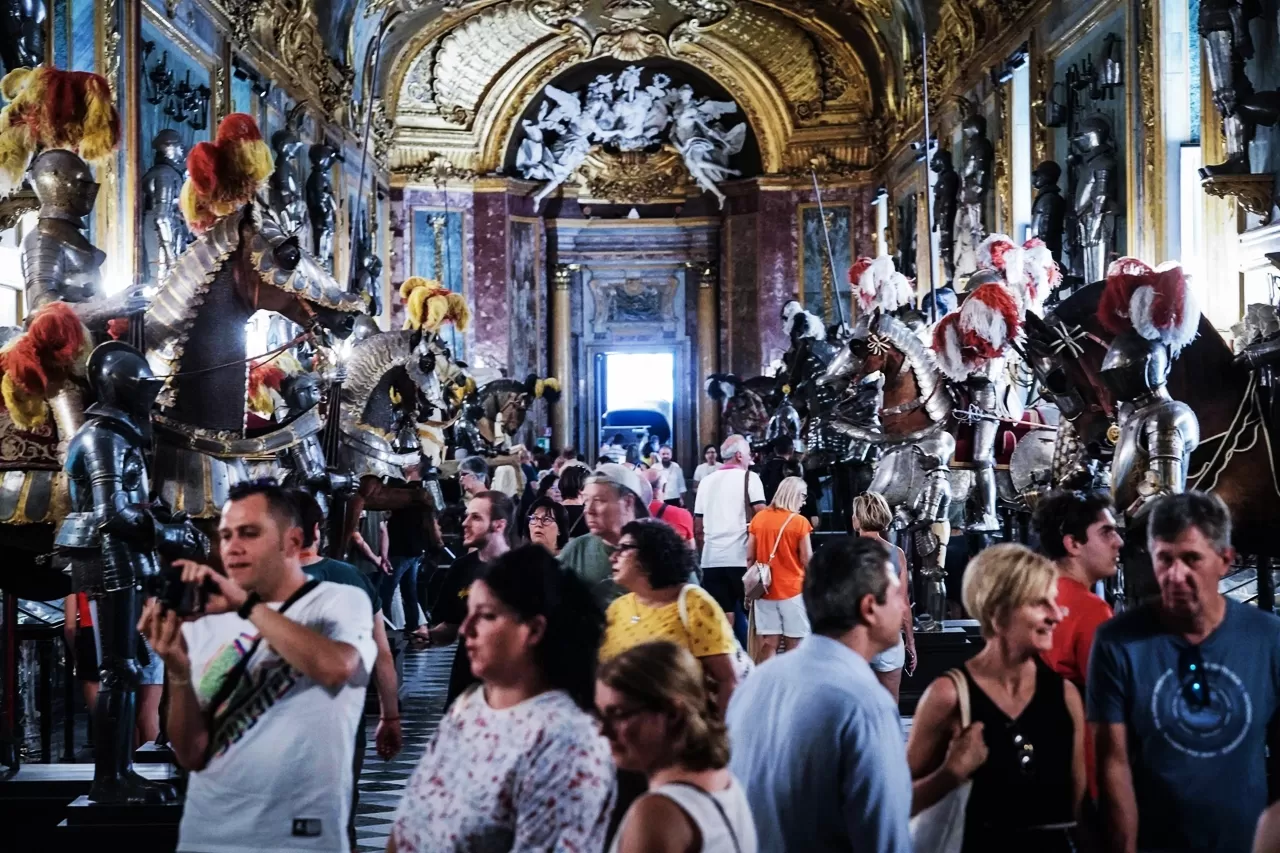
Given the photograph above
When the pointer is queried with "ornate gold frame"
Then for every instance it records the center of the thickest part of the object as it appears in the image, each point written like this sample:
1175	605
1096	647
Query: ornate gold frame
853	247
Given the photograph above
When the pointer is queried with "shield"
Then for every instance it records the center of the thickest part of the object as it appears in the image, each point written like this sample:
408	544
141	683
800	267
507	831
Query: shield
1031	464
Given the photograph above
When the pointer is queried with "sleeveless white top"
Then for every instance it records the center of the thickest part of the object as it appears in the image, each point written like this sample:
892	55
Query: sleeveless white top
728	828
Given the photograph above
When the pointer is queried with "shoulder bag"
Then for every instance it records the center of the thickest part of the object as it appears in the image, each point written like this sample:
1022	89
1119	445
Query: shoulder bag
742	664
940	828
230	681
759	577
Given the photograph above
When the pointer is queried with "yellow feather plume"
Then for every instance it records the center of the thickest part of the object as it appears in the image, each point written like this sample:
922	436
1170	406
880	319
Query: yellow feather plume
99	131
27	410
459	311
414	282
395	396
14	82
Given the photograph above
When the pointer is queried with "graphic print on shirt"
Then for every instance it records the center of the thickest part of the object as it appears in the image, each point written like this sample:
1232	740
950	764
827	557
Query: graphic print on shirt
1208	732
261	687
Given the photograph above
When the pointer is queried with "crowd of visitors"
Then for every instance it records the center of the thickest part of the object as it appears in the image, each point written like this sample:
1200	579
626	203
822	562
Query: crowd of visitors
600	697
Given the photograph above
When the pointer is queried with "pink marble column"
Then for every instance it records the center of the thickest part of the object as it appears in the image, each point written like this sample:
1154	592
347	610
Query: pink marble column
492	331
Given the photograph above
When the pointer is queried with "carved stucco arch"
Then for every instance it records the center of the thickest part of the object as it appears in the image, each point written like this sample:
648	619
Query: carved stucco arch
477	142
763	107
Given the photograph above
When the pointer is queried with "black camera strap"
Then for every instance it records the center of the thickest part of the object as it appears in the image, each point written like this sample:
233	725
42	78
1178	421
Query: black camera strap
230	681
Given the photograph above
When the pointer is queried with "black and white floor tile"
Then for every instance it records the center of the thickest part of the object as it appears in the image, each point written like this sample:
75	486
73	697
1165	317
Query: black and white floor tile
426	681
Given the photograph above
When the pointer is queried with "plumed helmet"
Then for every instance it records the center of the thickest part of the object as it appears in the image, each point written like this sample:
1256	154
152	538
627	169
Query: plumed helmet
1134	365
62	180
1156	302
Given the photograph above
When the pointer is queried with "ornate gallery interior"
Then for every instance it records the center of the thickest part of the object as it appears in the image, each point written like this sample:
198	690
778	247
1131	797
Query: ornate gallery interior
353	243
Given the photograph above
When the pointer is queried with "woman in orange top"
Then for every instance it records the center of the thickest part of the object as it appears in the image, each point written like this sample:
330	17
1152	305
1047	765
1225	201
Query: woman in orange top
779	536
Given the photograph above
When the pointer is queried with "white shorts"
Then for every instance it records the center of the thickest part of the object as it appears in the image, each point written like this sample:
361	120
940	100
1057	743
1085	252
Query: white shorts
891	659
785	617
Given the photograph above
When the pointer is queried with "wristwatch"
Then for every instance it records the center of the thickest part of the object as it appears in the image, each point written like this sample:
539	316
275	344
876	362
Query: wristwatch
252	601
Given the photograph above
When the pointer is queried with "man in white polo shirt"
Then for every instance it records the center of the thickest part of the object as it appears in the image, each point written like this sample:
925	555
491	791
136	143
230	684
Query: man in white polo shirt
266	688
725	502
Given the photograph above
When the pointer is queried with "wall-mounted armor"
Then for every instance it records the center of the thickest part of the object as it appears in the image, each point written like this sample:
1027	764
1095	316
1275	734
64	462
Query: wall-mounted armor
975	185
1095	202
322	205
285	187
946	191
1049	210
161	186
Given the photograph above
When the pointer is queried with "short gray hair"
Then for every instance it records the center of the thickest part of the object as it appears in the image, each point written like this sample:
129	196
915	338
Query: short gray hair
477	466
839	576
1173	515
733	445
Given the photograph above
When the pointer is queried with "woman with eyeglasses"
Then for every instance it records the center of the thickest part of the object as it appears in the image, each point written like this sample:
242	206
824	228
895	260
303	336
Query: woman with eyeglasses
1024	746
547	525
518	762
655	711
653	564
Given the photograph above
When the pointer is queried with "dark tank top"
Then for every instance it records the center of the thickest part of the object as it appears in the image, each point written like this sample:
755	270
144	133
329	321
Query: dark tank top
1026	780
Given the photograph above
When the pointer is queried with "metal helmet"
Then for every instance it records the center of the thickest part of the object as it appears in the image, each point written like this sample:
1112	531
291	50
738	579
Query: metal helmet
1094	133
63	182
168	147
121	379
1134	366
982	277
1047	174
974	125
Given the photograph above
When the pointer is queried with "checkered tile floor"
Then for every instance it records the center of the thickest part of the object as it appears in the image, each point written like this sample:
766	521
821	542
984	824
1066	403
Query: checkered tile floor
426	680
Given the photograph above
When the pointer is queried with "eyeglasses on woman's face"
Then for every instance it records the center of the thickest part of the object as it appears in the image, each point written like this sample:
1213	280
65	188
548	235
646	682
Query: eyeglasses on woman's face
542	521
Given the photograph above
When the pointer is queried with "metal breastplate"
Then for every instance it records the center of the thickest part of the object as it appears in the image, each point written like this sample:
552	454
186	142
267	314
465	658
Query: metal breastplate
59	264
1133	451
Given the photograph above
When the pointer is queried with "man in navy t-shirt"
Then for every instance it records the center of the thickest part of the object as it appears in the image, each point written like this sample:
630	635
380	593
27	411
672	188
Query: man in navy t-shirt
1180	695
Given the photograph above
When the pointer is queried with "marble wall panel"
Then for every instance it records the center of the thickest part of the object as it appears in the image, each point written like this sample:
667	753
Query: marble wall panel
526	299
816	276
739	318
492	336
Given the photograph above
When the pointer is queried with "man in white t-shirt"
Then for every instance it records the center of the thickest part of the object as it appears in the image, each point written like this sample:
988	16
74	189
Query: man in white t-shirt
671	477
270	762
725	502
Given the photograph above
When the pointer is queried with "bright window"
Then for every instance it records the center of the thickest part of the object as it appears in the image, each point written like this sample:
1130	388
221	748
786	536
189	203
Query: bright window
640	380
1021	151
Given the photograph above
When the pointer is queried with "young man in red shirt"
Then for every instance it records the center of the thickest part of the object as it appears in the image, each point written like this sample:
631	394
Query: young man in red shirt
1078	532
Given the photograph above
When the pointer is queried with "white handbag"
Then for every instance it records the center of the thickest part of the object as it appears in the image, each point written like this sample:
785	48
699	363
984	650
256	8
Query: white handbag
742	663
940	828
757	580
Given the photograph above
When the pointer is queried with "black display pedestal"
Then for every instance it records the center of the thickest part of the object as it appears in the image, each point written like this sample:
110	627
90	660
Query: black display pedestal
938	652
138	829
37	802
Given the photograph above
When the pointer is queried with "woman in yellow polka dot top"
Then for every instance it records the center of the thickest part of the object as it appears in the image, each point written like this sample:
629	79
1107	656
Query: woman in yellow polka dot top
654	564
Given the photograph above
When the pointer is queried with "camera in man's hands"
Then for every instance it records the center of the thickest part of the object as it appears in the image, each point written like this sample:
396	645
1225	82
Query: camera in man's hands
184	599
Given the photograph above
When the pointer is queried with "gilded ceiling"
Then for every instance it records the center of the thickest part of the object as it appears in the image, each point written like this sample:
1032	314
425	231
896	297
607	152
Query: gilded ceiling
813	77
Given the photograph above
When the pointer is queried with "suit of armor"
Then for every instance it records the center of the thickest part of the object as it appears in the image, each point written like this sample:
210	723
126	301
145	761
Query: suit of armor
284	188
1049	211
111	539
1157	433
932	509
322	207
1224	30
1095	202
984	397
161	186
975	184
368	272
945	192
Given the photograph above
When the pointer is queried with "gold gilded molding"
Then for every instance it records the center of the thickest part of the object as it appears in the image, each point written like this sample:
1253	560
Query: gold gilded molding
1253	192
476	52
1039	83
782	50
1149	96
1003	159
635	177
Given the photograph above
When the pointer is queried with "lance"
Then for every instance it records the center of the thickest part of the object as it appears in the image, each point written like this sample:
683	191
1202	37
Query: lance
928	190
831	258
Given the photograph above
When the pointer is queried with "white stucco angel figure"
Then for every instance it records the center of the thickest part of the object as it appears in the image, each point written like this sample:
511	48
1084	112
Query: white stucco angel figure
705	147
